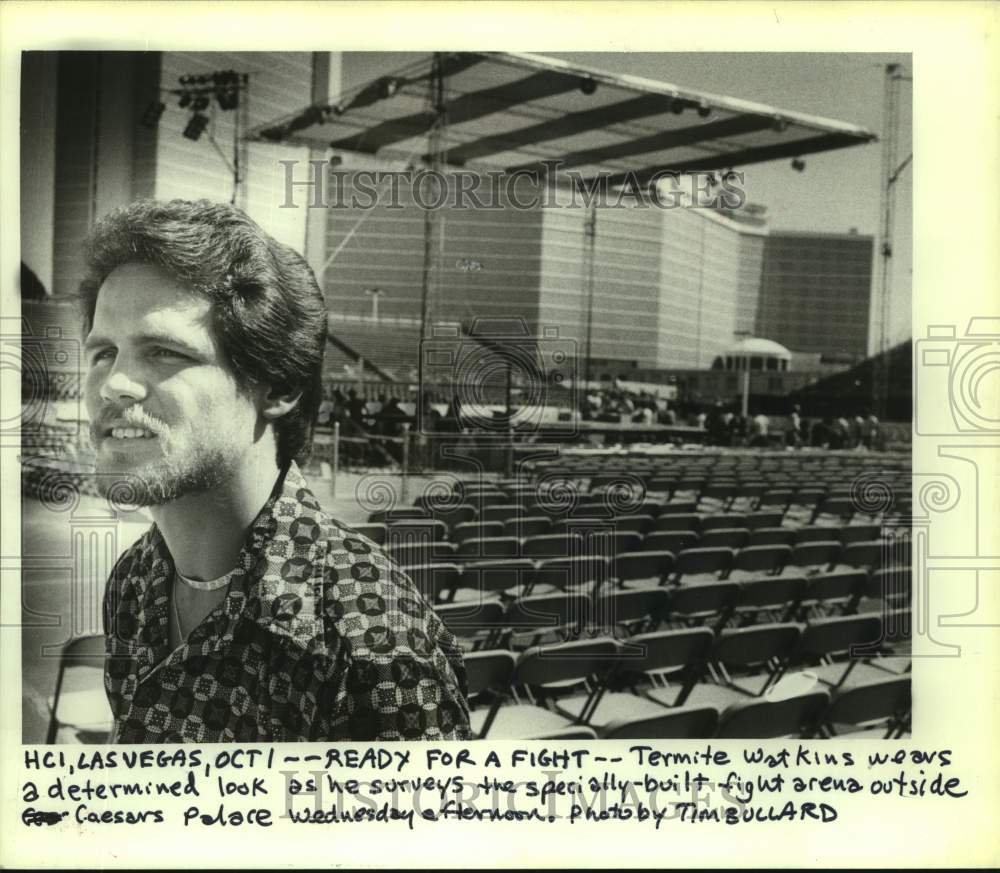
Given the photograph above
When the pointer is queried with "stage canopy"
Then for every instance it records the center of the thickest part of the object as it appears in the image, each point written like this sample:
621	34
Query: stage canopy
514	111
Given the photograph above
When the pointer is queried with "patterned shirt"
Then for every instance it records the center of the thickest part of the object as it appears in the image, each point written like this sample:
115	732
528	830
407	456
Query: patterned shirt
319	638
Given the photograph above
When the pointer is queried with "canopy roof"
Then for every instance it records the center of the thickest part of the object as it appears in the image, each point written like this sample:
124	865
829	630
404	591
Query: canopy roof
512	111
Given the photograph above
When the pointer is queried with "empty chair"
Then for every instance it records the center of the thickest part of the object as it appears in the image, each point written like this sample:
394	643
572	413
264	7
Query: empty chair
760	718
633	523
501	512
756	655
814	557
387	515
477	624
374	532
550	546
640	568
638	610
415	530
778	499
705	563
827	639
759	560
885	589
489	579
837	590
454	515
488	674
542	671
468	530
78	708
860	533
573	573
757	520
707	602
574	732
883	705
815	534
436	581
418	552
717	495
677	507
681	723
863	554
724	537
529	526
714	522
675	541
835	508
655	669
772	536
777	597
557	616
481	548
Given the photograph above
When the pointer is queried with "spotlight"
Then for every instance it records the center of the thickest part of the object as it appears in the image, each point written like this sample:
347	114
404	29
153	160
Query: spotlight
704	110
588	86
185	100
798	165
200	103
151	117
196	126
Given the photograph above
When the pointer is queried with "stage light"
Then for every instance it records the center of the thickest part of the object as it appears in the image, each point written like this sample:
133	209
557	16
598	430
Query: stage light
704	110
196	126
588	86
798	164
151	117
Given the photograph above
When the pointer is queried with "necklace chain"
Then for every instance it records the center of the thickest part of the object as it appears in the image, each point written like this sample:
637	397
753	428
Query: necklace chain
198	585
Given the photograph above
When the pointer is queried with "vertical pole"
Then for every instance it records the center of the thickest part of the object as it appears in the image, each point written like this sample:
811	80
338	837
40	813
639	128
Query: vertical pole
590	237
745	406
404	484
436	100
336	458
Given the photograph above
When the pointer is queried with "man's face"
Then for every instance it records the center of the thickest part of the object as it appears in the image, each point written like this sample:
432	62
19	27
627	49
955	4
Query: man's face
166	413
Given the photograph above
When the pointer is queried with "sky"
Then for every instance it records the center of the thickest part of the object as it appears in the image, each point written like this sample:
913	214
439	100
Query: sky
838	190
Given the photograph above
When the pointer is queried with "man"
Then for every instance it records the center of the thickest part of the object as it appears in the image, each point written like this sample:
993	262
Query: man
245	613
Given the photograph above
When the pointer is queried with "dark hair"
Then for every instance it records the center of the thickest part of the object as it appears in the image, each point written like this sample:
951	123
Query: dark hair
268	312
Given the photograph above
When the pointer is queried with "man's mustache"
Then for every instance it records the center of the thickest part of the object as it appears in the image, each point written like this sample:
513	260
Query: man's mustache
130	416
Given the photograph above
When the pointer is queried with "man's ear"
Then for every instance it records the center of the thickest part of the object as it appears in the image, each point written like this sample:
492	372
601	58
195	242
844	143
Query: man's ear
277	403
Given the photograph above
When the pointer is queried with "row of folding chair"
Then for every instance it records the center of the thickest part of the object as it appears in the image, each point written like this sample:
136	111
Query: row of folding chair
601	682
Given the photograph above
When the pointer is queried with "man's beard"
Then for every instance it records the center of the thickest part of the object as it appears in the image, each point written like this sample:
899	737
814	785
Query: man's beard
157	482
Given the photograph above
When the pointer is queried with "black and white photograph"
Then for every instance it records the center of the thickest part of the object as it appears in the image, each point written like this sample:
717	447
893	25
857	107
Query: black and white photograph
452	395
498	434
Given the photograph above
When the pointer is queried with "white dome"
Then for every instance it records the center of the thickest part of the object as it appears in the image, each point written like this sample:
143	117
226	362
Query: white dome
761	347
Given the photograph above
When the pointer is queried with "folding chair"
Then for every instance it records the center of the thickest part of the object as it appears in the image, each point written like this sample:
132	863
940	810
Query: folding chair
724	537
483	548
860	533
681	723
624	613
436	581
883	704
884	590
556	617
577	573
772	536
415	530
502	512
838	509
702	603
759	560
389	515
815	534
529	526
480	580
477	625
550	546
777	595
758	520
762	719
488	674
453	515
419	553
704	563
676	507
468	530
814	557
675	541
542	672
633	523
836	590
757	654
642	568
715	522
576	732
864	554
827	643
374	532
776	498
78	708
